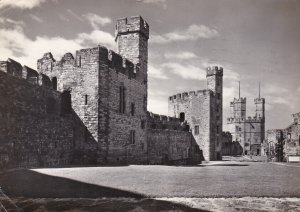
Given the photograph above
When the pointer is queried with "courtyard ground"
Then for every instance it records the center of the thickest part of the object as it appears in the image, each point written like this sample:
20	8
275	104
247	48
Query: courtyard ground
214	186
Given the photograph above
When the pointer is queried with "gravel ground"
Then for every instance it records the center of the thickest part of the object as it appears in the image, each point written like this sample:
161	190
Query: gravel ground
248	204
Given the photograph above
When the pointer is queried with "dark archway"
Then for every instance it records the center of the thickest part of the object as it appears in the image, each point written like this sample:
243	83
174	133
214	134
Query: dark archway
54	83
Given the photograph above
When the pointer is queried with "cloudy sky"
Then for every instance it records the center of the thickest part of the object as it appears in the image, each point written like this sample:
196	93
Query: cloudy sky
254	40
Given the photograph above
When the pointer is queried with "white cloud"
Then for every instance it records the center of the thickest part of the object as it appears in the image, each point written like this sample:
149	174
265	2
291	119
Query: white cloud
180	55
159	3
96	20
22	4
298	89
155	72
36	18
193	32
15	44
186	71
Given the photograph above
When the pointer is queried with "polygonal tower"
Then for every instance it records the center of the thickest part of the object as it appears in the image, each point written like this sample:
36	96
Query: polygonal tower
239	107
214	77
259	106
132	36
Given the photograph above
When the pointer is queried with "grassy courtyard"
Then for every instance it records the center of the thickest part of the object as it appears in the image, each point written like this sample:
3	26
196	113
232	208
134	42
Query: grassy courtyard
155	186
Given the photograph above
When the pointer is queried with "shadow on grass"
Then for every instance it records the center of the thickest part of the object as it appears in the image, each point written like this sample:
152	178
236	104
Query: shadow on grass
31	185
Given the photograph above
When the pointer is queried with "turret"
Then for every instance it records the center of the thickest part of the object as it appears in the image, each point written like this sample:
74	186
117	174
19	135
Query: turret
260	106
132	36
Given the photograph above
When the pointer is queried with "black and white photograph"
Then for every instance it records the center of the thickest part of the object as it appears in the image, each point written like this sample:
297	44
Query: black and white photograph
149	105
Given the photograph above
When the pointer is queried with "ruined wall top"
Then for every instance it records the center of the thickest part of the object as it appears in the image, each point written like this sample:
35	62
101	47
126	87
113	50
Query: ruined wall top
114	60
156	121
132	24
189	95
214	70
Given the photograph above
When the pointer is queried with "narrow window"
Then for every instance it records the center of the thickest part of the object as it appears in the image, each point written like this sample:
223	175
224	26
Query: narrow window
217	129
197	130
66	107
145	103
132	109
54	83
143	124
182	117
132	136
122	99
78	60
219	96
85	99
218	118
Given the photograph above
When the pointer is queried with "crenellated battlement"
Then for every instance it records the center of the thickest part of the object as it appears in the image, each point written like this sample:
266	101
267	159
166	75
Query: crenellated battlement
188	95
250	119
133	24
214	70
156	121
14	68
239	100
114	61
259	100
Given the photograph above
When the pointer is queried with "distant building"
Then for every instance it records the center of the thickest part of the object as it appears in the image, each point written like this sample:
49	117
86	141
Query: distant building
249	132
290	138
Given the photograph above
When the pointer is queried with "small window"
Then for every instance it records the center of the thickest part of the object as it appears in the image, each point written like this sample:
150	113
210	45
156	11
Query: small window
218	118
132	136
218	129
122	102
66	106
182	117
132	109
219	95
54	83
85	99
196	130
143	124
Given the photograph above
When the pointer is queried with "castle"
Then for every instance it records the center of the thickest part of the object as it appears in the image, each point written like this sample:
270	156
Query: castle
91	108
249	132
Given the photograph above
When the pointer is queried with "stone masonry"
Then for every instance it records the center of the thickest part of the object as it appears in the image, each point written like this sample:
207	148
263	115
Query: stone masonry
249	132
89	108
202	110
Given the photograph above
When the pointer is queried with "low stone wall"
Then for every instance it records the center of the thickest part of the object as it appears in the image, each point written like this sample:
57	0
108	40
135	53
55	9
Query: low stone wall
172	147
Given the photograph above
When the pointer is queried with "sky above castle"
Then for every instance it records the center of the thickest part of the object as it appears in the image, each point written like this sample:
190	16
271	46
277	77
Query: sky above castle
254	40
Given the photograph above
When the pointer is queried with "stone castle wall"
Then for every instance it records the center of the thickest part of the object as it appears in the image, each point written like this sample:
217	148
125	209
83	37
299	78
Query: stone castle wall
172	147
198	109
107	95
36	127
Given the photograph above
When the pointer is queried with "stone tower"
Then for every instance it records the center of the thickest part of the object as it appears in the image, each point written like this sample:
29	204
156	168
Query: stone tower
215	84
238	107
132	36
259	106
